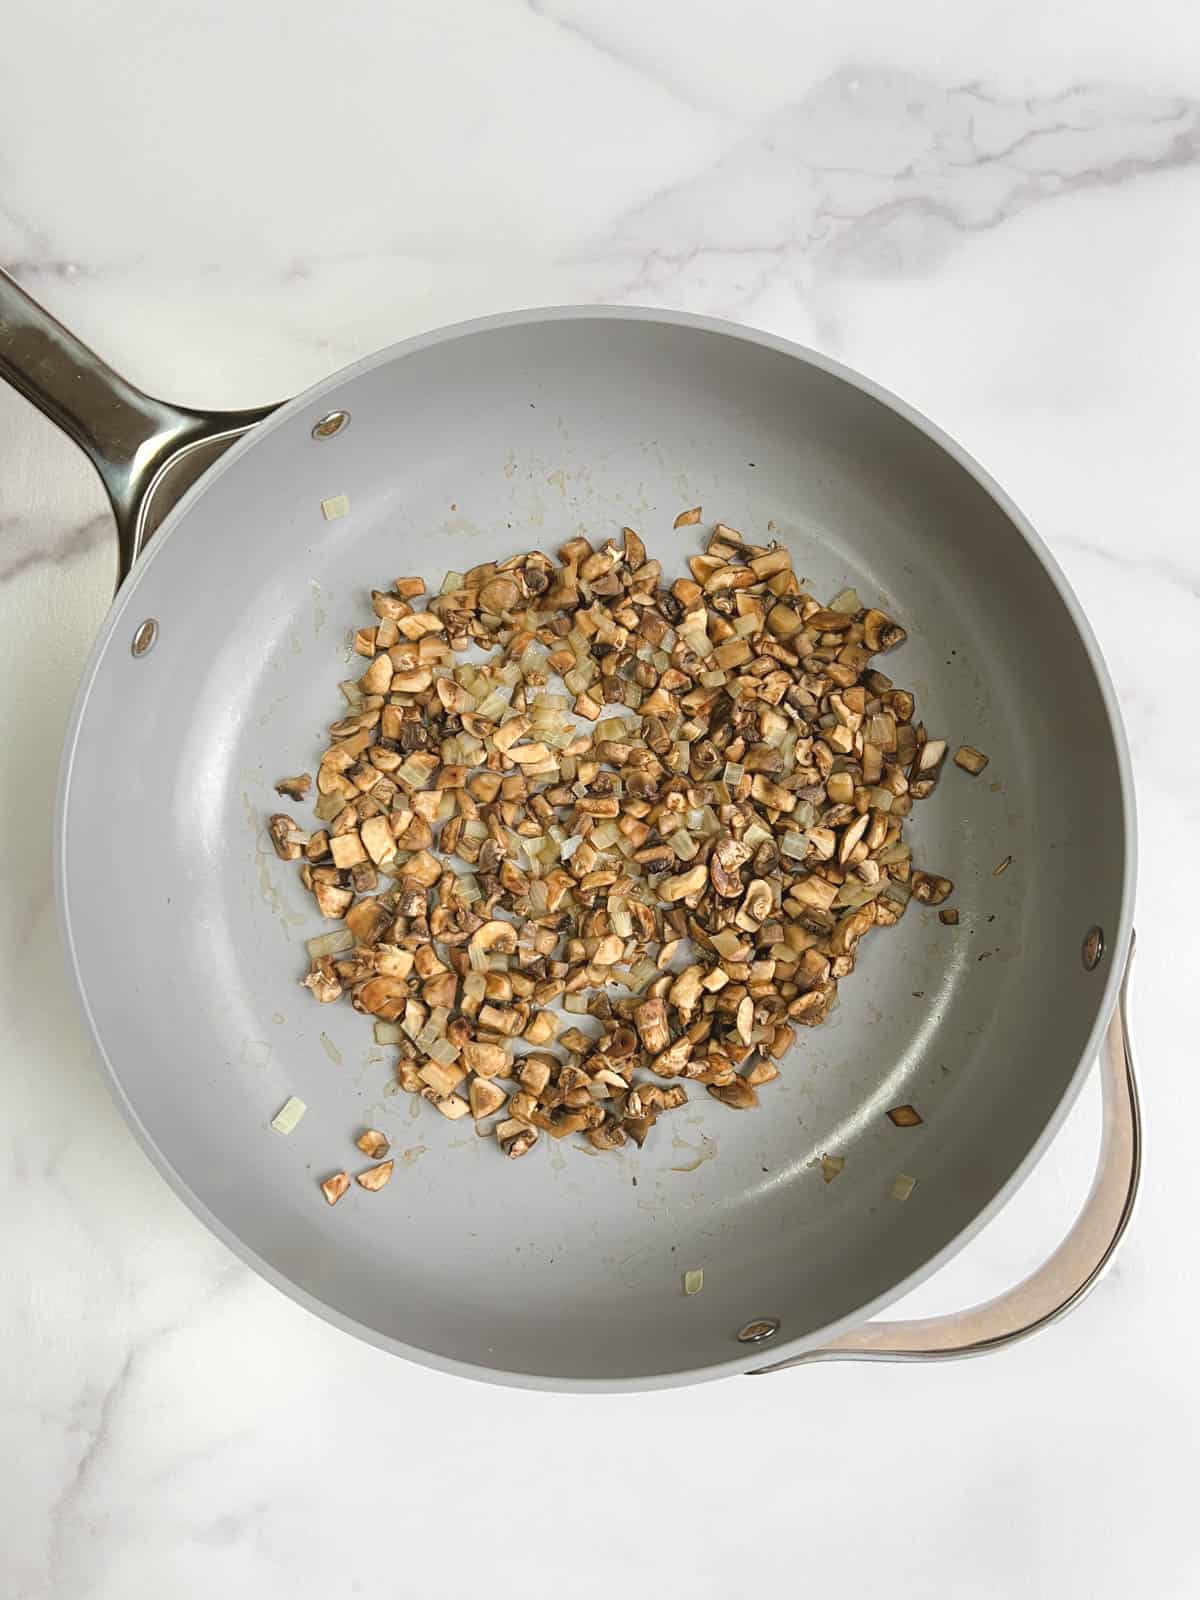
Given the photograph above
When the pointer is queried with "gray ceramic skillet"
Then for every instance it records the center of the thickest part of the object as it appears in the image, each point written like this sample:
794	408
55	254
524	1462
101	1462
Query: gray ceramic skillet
215	672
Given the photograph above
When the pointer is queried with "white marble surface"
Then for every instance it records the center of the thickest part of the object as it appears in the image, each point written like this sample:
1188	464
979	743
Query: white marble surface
992	208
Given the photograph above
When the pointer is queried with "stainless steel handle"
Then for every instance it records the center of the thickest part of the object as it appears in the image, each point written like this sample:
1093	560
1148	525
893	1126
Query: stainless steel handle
1062	1282
146	451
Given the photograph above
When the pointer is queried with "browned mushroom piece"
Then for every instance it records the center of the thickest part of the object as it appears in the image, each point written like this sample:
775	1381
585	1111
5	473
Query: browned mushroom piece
372	1143
906	1116
323	981
929	889
335	1187
288	839
295	788
375	1177
970	759
736	1093
485	1098
515	1138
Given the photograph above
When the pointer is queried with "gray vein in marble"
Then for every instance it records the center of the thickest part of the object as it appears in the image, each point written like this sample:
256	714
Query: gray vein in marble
94	1416
620	50
875	173
1167	571
76	1484
75	541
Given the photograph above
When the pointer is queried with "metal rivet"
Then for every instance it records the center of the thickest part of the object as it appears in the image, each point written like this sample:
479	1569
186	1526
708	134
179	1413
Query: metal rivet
1093	948
756	1332
332	422
144	639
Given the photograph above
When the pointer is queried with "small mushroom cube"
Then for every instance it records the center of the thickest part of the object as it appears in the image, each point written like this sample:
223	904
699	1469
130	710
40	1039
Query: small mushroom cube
970	759
347	850
485	1098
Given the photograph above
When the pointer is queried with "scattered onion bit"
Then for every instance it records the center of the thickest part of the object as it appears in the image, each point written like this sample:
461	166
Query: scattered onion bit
1002	866
288	1115
336	506
906	1116
693	1281
949	916
334	1188
831	1166
903	1186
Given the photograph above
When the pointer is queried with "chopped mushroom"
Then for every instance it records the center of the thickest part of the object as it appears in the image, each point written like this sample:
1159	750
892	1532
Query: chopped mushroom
295	788
970	759
672	805
376	1177
906	1116
486	1098
334	1188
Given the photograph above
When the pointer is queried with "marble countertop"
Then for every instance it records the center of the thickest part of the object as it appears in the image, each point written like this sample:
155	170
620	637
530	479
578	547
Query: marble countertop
992	209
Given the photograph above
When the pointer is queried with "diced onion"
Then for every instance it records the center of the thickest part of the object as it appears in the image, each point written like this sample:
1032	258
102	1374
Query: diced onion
415	776
684	846
288	1115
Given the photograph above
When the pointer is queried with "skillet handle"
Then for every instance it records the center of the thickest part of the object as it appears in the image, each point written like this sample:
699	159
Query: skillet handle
1061	1283
146	451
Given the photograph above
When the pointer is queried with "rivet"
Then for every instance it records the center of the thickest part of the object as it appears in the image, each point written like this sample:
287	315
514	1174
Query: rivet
762	1328
145	637
332	422
1093	948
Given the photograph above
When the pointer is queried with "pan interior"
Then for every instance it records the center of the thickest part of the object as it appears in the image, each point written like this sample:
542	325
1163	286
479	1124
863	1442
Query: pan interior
188	933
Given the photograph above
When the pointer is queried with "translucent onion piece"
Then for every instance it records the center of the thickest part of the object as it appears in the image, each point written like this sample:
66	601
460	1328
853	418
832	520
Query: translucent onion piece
288	1115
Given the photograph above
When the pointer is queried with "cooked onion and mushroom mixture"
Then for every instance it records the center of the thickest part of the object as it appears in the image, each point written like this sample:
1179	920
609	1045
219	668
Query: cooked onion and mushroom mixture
685	843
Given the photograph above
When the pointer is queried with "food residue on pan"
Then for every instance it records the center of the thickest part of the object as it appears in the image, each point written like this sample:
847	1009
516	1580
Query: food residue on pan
685	841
